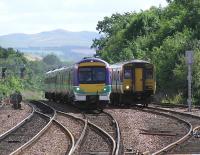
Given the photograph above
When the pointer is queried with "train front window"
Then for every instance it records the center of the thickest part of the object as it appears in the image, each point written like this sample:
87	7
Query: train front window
149	74
91	75
127	73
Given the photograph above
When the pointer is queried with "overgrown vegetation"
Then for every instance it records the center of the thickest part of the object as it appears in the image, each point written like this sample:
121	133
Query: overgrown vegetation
160	35
32	82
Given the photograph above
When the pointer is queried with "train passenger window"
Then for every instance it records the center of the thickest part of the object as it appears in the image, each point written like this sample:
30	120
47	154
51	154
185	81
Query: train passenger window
127	73
149	74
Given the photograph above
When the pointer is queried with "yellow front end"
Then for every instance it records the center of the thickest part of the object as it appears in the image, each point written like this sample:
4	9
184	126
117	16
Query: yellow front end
150	84
127	85
92	88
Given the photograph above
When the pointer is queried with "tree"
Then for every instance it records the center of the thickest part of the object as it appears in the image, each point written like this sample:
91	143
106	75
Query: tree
160	35
52	60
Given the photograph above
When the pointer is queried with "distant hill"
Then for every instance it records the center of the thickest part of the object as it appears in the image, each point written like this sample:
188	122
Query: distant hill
66	44
55	38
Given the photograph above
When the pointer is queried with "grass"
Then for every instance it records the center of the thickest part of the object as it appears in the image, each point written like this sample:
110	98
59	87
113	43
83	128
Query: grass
32	95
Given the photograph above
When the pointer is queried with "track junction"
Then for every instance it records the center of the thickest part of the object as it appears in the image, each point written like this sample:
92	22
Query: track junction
115	130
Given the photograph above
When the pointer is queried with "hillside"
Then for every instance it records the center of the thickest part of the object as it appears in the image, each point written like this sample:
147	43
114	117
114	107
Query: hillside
70	46
55	38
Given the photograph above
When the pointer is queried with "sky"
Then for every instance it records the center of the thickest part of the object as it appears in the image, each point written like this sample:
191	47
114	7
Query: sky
33	16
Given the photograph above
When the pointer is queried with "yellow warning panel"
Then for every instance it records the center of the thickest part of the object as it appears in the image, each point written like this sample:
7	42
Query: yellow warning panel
127	84
92	88
138	79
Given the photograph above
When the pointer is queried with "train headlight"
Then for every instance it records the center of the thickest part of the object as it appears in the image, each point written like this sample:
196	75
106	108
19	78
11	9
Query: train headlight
127	87
104	89
77	89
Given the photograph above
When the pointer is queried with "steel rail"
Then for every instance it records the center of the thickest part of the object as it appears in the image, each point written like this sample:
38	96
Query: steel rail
168	104
92	125
2	136
118	133
105	133
70	152
175	112
32	140
179	141
88	123
78	142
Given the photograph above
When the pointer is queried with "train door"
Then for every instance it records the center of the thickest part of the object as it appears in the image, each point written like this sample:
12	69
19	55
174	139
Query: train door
138	79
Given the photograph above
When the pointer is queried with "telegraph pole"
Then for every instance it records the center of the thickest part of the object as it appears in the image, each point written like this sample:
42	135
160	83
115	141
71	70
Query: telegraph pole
189	61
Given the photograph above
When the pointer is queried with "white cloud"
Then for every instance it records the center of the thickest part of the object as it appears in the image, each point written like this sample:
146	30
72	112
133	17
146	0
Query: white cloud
30	16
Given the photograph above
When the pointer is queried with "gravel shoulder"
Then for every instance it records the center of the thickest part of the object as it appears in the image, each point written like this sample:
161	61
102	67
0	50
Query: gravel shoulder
10	117
133	121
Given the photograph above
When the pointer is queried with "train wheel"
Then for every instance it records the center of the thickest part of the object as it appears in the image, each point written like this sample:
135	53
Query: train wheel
120	100
112	101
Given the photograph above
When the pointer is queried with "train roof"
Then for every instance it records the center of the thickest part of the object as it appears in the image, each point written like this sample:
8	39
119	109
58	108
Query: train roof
129	62
53	72
92	60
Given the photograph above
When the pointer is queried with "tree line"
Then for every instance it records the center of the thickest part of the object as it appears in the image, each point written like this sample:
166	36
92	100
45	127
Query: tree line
160	35
33	78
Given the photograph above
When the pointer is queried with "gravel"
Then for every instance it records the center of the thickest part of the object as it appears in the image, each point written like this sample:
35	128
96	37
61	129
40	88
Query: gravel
52	142
194	111
190	146
192	120
65	108
102	121
94	142
22	135
10	117
132	121
74	126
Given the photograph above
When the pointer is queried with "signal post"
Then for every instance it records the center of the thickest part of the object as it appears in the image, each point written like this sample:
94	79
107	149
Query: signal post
189	61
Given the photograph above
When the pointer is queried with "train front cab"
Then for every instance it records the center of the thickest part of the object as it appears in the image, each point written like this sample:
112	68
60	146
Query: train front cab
139	82
93	82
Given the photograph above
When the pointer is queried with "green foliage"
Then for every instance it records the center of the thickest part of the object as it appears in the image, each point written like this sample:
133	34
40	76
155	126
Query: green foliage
34	72
160	35
52	60
10	85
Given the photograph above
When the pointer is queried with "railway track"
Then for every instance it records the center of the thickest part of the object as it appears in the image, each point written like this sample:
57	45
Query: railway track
77	127
190	142
95	139
66	136
21	138
56	140
22	135
107	122
145	131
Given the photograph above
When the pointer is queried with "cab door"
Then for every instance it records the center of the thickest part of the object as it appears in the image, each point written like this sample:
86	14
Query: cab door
138	79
